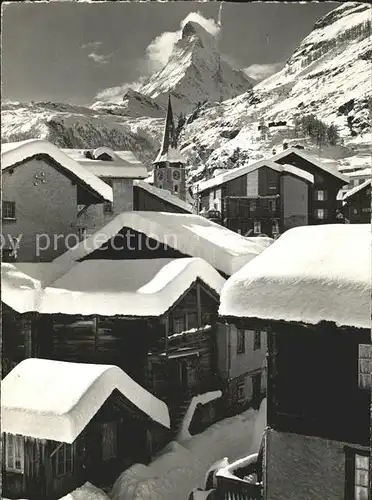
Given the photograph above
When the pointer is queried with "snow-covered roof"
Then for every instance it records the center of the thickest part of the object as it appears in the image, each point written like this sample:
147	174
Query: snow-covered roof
310	274
139	288
192	235
16	152
173	155
229	175
55	400
124	164
150	178
312	159
165	195
362	172
356	189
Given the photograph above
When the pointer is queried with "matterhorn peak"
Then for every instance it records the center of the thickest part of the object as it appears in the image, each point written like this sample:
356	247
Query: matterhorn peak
193	30
195	73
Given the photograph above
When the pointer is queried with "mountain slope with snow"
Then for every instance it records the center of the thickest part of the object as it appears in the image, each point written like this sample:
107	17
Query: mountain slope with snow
195	73
329	75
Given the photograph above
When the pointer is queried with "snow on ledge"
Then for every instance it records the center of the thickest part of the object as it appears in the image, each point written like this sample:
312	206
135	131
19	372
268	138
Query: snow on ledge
228	471
55	400
15	152
310	274
184	433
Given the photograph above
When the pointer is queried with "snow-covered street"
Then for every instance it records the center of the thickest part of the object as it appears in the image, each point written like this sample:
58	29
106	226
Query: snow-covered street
182	465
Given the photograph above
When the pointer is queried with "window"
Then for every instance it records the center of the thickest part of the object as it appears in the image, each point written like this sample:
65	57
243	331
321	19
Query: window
15	453
82	233
320	213
160	186
275	227
272	205
240	391
107	208
320	195
176	188
364	366
361	477
179	325
63	461
257	227
240	348
109	440
357	474
9	210
257	341
192	320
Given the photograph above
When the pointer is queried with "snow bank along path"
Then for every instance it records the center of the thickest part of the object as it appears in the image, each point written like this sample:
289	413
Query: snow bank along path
182	466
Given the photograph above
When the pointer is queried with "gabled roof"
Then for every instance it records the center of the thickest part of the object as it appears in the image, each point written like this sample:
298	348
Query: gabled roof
164	195
311	159
356	189
55	400
229	175
192	235
308	275
124	164
136	288
17	152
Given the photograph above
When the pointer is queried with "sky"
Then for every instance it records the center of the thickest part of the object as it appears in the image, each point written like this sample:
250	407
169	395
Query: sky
81	52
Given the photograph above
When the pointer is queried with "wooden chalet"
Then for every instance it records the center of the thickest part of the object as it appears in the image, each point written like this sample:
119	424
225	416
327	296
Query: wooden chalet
154	319
357	204
67	423
268	197
316	312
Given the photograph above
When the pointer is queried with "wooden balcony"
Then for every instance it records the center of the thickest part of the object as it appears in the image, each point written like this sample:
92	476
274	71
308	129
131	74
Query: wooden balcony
240	480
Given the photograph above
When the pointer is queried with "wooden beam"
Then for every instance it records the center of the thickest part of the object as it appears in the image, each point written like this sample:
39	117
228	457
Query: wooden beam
166	335
198	305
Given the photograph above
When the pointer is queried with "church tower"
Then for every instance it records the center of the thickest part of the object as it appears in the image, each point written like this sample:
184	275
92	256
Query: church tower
169	171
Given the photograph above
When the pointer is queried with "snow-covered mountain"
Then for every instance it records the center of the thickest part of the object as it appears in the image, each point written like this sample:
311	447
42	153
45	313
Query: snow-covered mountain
195	73
328	75
80	127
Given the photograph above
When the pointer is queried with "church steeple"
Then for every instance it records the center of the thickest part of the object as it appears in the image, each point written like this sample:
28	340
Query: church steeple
169	141
169	173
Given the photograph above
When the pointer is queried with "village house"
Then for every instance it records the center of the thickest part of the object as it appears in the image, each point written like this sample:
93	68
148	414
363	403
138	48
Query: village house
151	235
311	292
125	174
357	203
42	189
355	177
155	319
270	196
242	365
67	423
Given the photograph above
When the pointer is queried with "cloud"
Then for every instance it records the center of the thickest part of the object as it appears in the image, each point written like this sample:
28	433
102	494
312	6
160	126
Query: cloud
91	45
100	58
114	94
261	71
157	55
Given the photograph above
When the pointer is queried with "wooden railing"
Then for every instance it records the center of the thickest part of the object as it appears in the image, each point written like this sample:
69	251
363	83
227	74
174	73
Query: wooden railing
232	486
237	489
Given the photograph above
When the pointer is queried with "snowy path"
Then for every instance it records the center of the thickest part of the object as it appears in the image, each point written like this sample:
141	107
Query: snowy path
182	466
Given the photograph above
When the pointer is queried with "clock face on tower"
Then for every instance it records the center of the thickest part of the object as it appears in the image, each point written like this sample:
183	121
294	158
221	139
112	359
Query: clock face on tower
176	175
